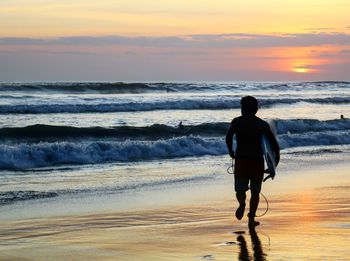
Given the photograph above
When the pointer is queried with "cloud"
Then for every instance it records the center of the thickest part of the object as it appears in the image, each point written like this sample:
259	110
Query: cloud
336	71
321	28
189	41
131	53
305	67
342	53
177	53
94	40
283	40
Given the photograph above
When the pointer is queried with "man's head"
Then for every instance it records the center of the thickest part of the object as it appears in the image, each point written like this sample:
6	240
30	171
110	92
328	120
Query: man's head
249	106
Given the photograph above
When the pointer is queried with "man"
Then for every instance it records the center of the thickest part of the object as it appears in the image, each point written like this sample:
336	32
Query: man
249	162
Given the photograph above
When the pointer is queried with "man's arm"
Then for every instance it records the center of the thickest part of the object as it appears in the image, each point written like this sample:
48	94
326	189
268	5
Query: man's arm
229	138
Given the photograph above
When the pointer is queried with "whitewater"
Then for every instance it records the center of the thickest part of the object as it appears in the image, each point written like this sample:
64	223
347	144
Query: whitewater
56	138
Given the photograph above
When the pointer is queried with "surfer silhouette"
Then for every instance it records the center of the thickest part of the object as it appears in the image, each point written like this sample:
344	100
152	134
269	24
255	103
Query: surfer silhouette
181	126
249	162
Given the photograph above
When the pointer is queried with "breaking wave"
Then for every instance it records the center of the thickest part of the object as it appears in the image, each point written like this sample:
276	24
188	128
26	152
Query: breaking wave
42	154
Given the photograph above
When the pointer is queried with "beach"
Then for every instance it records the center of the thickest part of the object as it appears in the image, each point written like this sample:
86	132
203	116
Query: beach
308	219
138	171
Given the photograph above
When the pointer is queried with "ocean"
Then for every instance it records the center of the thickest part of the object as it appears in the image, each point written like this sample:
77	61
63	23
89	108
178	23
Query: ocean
74	139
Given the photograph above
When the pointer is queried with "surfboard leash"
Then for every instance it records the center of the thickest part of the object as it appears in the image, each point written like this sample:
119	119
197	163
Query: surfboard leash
230	170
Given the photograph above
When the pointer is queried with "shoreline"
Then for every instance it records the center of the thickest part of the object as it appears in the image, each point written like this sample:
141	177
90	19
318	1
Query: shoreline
308	219
296	172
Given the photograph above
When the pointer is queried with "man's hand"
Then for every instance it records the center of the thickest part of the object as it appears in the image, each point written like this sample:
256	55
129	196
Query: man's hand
269	176
232	154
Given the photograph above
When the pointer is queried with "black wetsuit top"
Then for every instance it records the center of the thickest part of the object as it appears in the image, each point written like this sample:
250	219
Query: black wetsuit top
248	130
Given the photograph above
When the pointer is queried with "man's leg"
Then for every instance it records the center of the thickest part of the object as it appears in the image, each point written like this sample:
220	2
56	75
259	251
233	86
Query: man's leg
241	186
255	188
254	202
240	195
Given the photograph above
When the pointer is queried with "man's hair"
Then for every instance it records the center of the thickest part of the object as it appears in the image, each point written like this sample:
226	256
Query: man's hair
249	106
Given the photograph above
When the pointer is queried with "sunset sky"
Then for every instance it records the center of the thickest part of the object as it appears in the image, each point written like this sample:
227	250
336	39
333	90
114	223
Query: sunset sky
168	40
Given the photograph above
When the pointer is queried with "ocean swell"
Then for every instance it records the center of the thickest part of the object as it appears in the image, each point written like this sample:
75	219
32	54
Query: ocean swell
157	131
122	87
196	103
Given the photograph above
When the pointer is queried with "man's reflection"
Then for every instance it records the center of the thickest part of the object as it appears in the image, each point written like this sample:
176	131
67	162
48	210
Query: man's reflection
256	245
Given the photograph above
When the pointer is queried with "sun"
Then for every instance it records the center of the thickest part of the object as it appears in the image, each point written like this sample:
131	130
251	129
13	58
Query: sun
301	69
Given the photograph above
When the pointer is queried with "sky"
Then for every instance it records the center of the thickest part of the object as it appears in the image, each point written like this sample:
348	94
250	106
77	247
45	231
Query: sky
174	40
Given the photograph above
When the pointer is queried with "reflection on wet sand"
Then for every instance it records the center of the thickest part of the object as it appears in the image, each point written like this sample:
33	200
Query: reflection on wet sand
258	252
316	219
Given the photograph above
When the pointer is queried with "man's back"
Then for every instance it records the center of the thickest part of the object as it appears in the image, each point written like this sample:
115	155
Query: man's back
249	130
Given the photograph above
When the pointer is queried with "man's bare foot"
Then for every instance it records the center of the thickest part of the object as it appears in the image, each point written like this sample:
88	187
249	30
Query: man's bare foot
240	211
252	223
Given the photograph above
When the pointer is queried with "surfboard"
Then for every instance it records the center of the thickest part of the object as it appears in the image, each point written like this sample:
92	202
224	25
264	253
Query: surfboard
269	156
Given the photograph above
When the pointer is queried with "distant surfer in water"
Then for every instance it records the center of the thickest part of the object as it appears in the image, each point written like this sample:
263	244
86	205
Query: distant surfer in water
249	162
181	126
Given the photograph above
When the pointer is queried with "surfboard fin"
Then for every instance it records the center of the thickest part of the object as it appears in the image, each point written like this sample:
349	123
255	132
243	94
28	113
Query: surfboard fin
272	176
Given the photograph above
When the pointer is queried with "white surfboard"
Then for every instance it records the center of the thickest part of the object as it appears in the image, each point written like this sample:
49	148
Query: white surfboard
269	155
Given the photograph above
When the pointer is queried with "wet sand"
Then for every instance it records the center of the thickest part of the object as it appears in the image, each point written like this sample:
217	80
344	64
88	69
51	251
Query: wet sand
308	219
